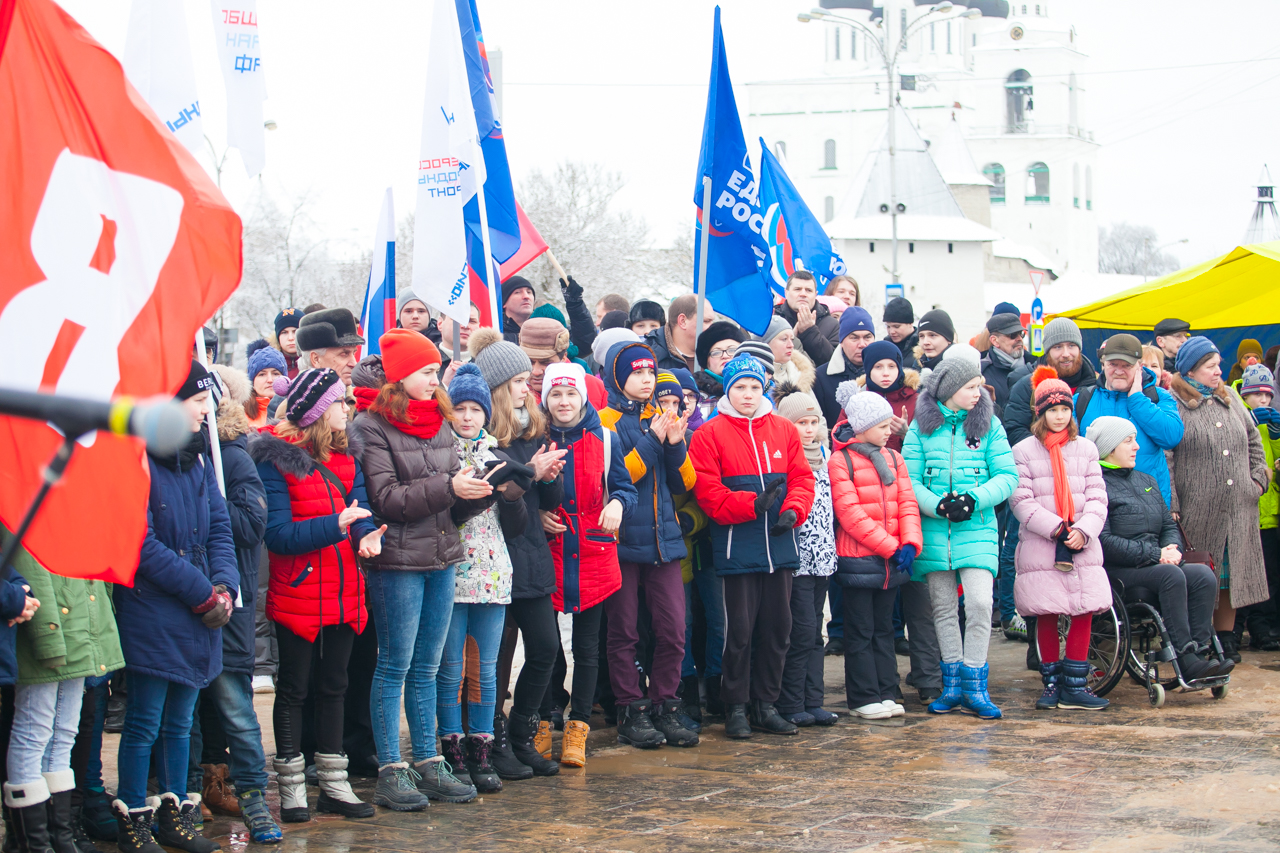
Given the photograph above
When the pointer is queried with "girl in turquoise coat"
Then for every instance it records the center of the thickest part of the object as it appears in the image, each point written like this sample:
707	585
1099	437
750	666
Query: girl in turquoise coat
961	468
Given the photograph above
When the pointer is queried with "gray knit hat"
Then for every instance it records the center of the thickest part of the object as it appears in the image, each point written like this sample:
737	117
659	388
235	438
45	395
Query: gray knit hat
950	376
866	410
406	296
1107	432
608	338
498	360
777	326
762	352
1060	330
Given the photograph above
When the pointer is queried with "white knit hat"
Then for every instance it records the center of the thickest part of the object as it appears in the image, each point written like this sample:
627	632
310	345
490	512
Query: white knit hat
564	373
866	410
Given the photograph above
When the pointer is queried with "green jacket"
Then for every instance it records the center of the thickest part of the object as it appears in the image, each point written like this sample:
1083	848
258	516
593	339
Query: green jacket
961	452
1269	503
73	634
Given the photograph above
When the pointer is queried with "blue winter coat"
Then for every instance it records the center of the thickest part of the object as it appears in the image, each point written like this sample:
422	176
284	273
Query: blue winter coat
247	509
1159	424
659	470
12	599
965	453
188	549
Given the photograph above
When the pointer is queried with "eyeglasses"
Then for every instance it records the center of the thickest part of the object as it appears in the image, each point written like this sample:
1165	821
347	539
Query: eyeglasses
727	352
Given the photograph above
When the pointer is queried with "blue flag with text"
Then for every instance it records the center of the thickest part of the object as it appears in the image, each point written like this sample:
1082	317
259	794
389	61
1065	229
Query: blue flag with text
796	239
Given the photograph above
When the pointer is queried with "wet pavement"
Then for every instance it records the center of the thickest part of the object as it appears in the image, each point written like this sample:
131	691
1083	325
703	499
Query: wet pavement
1195	775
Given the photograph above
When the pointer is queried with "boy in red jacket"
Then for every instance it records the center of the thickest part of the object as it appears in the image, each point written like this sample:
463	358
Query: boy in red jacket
755	485
877	538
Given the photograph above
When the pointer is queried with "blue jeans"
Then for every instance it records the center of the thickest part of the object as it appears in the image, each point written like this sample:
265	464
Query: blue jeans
711	594
231	694
158	711
483	622
46	718
1004	582
412	611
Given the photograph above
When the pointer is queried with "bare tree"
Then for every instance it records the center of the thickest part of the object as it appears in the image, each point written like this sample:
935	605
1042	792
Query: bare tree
1131	249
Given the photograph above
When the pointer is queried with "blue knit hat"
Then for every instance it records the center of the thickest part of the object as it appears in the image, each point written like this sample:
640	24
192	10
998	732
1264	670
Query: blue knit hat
744	366
469	385
686	380
856	319
261	356
1257	378
1192	351
626	358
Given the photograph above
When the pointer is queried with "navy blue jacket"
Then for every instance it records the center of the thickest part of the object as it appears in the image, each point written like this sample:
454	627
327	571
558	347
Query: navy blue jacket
188	549
658	470
12	599
247	509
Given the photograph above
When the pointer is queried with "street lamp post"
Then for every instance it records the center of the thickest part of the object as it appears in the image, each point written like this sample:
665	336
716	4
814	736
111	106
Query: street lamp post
890	58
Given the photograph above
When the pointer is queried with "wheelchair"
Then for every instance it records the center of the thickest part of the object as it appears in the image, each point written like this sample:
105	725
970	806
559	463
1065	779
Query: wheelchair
1109	647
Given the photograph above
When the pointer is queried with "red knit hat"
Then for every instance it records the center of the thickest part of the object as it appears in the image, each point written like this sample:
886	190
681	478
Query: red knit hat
405	351
1049	390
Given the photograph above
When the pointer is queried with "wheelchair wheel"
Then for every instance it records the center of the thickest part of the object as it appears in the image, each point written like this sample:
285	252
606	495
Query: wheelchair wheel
1220	692
1156	695
1108	649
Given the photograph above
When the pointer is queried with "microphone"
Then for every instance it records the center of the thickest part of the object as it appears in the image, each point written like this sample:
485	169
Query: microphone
161	422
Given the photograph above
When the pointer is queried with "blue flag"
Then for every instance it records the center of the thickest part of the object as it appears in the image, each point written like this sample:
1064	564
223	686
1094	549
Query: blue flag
737	255
499	197
796	239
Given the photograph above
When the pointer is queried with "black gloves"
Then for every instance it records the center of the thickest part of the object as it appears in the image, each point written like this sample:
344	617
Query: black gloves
786	521
765	499
509	470
957	508
571	290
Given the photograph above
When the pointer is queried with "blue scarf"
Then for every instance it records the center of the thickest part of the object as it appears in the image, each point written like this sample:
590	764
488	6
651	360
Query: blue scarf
1204	390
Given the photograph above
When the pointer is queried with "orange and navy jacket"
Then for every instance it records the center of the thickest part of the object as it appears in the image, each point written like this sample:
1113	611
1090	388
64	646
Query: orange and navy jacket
659	471
735	459
585	556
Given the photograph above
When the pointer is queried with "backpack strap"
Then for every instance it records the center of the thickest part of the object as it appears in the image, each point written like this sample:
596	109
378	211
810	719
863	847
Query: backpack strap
1084	395
608	456
332	479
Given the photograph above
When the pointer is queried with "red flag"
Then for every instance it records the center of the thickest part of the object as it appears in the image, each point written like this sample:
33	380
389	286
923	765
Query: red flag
114	247
531	246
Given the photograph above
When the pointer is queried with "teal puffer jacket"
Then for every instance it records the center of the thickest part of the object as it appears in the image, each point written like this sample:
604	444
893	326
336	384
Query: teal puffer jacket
961	452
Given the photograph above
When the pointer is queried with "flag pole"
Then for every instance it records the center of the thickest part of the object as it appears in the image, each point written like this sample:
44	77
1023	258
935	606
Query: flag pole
556	266
494	301
702	256
215	449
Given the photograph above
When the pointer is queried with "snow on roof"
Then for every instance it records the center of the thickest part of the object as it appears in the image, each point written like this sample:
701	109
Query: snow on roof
951	154
1003	248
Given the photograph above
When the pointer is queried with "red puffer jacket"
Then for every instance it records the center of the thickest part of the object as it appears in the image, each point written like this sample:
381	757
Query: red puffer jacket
315	580
873	520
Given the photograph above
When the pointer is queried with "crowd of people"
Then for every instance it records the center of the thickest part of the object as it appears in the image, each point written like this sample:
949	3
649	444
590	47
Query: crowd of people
386	531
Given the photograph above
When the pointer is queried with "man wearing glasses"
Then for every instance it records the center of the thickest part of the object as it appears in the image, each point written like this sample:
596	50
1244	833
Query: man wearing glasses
1006	355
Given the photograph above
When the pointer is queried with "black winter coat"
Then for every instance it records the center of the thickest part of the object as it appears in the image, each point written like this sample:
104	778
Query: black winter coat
1138	521
533	572
908	348
247	508
825	388
819	341
1017	412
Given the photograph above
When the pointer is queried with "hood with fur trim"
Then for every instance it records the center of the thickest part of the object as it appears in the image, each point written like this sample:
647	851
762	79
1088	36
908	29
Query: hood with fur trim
233	422
910	379
289	458
977	422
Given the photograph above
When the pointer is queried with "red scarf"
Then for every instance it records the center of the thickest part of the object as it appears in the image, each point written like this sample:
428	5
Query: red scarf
1062	499
425	419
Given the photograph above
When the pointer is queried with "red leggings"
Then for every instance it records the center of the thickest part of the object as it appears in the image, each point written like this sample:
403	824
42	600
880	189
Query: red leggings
1077	637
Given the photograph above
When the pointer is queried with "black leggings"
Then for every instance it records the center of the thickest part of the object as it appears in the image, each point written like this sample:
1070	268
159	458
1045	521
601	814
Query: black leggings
586	665
536	619
300	661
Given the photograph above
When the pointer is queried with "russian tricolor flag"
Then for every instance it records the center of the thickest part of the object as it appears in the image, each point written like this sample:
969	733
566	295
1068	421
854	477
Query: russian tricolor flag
379	313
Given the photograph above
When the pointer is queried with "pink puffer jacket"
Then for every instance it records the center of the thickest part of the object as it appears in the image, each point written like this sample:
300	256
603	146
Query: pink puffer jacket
1040	589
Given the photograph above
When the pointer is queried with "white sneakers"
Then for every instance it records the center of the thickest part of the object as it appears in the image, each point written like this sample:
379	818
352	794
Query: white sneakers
263	684
880	710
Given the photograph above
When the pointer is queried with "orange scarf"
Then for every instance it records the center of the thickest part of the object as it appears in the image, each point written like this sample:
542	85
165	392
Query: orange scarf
1062	499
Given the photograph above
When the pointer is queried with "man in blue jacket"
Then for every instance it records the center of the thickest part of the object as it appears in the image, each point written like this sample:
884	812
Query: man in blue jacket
1129	391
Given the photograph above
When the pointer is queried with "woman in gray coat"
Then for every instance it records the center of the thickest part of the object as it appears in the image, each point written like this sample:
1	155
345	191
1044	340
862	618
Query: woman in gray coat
1219	472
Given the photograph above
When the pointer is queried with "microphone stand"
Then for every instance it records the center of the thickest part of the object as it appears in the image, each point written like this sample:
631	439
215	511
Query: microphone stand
52	475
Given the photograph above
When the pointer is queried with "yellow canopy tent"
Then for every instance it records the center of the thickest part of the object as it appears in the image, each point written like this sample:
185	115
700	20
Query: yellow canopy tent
1229	298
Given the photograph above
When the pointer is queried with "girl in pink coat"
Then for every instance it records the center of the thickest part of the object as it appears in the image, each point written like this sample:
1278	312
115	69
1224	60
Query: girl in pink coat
1061	501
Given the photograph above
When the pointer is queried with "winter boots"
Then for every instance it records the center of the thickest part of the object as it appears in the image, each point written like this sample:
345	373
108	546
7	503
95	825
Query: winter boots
973	692
573	747
635	727
691	697
257	818
451	749
398	789
218	793
133	827
62	835
479	764
504	760
292	782
96	815
1051	675
668	721
765	718
715	704
28	811
439	783
542	740
736	724
950	698
521	730
176	826
1194	667
1075	694
336	796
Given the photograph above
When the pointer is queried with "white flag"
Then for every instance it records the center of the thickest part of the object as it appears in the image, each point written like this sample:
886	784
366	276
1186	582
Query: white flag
157	61
235	33
450	169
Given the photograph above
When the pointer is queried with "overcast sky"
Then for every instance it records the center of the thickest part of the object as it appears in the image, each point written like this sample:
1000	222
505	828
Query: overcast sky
624	85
